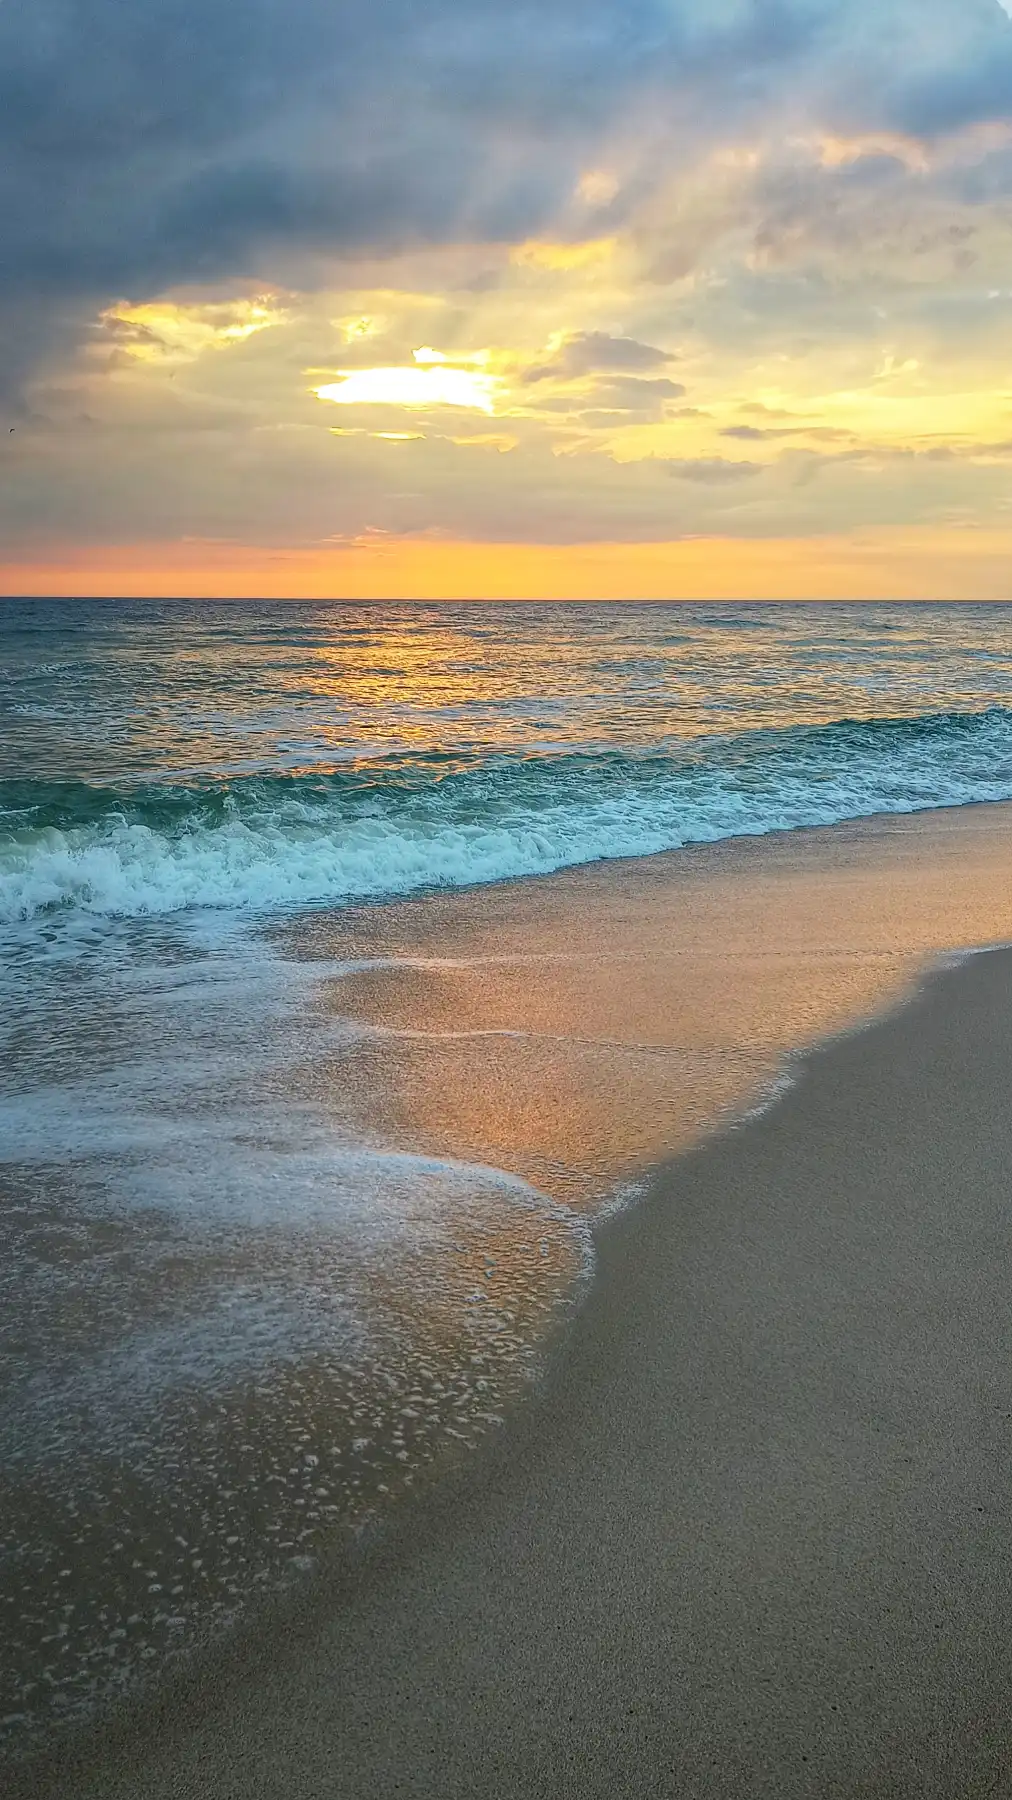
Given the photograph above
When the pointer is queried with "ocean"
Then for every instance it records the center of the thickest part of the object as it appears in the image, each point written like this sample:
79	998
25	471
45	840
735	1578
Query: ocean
302	1087
163	757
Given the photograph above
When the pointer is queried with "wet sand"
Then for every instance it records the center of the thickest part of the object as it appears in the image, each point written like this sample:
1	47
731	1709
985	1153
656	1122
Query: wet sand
579	1029
750	1537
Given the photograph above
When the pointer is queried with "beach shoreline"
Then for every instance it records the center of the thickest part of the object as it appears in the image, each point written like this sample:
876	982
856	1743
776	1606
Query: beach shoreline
745	1536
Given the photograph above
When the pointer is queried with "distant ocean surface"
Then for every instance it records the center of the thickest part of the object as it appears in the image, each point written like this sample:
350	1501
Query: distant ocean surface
300	1142
157	757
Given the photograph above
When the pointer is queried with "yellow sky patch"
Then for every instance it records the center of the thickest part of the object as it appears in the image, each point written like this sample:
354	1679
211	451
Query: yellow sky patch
900	419
163	331
563	258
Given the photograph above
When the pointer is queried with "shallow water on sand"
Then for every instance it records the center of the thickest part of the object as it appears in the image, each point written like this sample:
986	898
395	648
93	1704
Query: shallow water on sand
233	1325
293	1210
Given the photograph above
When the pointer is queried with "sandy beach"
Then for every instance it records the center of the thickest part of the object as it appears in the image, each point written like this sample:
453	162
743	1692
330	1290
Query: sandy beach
505	902
749	1537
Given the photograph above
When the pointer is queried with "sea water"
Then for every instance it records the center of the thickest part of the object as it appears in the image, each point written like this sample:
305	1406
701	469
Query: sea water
158	758
250	1286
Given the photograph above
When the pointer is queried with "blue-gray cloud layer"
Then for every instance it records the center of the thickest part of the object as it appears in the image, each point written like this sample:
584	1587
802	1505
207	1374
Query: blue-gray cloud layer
147	145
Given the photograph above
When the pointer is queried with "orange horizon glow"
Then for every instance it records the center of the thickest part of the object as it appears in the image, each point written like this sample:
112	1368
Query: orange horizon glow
942	563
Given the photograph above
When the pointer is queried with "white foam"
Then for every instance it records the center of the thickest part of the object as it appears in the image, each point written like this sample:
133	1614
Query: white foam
280	849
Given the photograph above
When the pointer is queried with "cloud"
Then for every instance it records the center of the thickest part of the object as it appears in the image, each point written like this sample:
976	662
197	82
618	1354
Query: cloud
972	85
809	198
756	434
172	333
144	147
712	471
591	352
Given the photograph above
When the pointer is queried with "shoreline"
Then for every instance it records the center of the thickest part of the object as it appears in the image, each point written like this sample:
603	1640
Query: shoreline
348	1675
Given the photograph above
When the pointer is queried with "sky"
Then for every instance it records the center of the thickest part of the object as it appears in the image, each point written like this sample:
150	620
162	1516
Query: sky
487	298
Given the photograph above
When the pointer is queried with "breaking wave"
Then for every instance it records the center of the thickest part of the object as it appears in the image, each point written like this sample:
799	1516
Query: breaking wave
254	843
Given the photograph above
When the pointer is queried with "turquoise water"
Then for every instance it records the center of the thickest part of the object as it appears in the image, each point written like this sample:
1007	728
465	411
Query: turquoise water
159	757
243	1300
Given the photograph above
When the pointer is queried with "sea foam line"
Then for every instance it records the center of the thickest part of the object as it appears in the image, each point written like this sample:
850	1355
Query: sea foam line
257	844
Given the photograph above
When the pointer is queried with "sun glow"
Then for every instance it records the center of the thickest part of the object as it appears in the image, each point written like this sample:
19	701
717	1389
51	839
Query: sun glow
432	380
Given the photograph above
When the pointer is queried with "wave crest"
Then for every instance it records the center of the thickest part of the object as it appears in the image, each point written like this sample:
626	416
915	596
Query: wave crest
256	843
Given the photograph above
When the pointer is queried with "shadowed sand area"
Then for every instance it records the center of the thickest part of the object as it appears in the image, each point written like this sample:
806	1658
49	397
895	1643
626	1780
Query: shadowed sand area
751	1535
